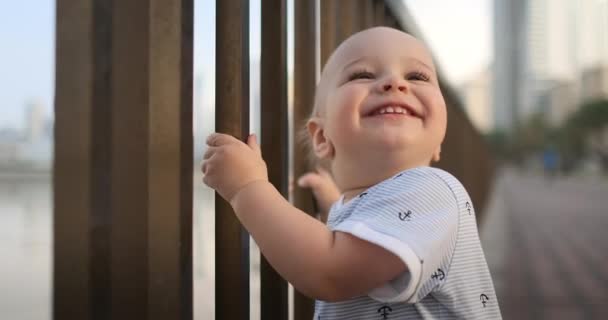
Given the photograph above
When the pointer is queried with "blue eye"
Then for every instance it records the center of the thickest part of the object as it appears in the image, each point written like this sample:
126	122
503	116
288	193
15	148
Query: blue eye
362	74
418	76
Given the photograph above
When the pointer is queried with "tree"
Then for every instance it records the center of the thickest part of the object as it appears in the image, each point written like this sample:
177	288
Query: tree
585	133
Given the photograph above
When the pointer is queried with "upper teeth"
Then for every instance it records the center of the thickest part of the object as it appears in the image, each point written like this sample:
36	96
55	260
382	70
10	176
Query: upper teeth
393	109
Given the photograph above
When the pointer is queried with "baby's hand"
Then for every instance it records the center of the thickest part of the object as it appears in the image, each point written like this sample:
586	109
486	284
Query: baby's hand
229	164
323	187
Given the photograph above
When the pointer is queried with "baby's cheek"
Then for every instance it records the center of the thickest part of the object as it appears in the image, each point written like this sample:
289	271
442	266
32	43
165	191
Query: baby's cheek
436	107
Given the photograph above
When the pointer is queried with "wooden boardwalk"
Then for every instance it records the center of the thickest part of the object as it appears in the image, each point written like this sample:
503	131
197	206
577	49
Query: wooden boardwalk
546	241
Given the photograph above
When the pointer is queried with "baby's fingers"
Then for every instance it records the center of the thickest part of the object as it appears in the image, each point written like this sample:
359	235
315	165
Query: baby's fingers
310	180
219	139
210	157
204	167
208	179
210	151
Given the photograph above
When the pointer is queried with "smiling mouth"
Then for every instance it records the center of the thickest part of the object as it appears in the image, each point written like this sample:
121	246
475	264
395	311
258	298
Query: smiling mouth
394	110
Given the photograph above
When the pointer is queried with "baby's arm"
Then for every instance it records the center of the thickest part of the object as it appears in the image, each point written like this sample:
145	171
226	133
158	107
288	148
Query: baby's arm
326	265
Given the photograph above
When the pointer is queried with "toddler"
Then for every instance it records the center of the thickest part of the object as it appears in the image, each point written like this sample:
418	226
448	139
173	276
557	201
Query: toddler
401	241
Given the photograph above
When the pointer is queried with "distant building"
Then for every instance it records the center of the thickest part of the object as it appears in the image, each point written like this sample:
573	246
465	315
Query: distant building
592	36
10	141
32	147
509	32
540	46
557	101
594	83
477	97
10	135
35	122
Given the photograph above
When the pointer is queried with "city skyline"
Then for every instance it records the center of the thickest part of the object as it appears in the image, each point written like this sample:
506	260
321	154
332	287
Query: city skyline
542	50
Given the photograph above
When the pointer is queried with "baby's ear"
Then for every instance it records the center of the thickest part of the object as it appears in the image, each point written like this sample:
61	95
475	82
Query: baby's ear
437	154
321	146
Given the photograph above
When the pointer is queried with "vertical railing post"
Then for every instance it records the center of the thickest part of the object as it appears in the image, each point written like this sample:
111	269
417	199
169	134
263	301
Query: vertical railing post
73	173
379	9
328	29
305	72
347	18
359	15
368	14
123	160
274	131
232	117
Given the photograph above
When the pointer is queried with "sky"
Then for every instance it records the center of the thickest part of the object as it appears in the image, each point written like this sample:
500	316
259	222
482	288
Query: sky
27	45
458	32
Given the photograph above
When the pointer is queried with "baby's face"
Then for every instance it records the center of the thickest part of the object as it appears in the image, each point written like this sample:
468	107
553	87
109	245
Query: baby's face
379	100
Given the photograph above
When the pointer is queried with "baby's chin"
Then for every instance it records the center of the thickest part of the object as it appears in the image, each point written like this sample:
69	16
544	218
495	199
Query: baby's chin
395	162
372	170
372	167
392	144
387	161
380	157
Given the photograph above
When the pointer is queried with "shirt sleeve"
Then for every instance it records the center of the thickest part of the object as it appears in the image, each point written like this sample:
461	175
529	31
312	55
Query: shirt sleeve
414	216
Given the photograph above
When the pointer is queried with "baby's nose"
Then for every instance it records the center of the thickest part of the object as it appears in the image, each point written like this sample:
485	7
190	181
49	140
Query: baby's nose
388	87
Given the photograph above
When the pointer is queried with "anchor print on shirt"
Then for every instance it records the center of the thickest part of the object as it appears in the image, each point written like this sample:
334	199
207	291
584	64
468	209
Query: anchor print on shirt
384	311
484	299
438	275
405	216
468	205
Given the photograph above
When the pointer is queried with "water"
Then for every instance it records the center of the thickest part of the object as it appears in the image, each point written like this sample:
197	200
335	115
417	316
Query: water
25	247
26	237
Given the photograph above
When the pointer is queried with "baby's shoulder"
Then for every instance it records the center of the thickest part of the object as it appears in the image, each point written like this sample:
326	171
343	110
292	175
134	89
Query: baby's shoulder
420	188
420	179
417	185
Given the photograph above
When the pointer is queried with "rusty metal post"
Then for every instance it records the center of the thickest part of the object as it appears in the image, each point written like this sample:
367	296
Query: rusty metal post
348	19
328	29
359	10
379	9
367	10
76	80
274	125
305	70
123	160
231	117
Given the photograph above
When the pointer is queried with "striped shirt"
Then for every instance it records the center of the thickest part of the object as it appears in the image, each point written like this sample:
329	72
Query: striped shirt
425	217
